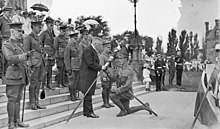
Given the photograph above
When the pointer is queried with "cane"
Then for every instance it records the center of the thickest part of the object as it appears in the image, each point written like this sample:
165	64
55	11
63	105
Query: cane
186	76
22	118
200	106
146	106
83	97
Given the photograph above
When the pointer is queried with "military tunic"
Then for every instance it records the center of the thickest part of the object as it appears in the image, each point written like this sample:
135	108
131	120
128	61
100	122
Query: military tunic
172	69
16	77
60	45
32	43
160	69
47	39
72	62
179	69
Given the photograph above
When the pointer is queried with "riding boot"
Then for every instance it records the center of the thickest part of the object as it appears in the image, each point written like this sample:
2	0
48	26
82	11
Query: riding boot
108	93
32	98
217	102
72	97
37	96
17	121
104	98
117	102
11	114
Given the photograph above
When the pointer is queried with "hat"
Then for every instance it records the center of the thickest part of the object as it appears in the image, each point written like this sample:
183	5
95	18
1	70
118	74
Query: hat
74	34
16	26
36	23
24	12
49	20
31	13
63	27
217	47
7	9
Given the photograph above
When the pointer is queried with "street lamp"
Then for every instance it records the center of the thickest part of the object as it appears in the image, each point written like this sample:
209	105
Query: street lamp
135	21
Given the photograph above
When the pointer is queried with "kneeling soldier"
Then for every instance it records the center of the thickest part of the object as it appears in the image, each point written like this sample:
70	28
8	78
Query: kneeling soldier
122	95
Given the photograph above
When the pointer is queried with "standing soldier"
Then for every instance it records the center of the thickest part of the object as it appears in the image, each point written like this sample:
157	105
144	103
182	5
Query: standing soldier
32	43
60	44
122	95
172	69
72	62
106	82
4	34
47	39
159	68
179	69
16	74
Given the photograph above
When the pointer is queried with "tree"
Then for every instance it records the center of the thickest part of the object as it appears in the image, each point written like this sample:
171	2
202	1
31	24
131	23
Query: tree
101	30
159	45
148	45
204	48
195	47
191	45
172	42
183	43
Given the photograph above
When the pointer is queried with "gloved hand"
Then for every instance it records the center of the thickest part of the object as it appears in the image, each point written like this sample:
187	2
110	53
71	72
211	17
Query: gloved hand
69	72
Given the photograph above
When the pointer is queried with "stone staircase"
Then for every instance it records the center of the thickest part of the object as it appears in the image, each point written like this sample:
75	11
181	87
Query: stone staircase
59	106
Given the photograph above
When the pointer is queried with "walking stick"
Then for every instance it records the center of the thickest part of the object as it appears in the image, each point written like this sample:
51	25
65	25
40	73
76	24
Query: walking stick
200	106
83	97
146	106
22	119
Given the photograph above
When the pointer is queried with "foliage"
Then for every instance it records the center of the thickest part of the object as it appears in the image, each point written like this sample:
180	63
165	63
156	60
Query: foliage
183	43
159	45
102	30
172	42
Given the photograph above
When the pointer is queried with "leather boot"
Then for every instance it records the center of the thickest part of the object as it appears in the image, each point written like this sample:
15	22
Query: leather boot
117	102
72	97
17	122
37	97
104	98
32	96
11	114
108	93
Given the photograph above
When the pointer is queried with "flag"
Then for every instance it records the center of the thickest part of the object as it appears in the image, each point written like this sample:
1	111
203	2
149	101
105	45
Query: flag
209	114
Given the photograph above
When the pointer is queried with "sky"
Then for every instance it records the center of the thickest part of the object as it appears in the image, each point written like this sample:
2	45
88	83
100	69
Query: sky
154	17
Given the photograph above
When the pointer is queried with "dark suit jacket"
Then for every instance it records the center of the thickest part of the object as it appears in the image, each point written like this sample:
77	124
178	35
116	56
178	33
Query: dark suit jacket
88	70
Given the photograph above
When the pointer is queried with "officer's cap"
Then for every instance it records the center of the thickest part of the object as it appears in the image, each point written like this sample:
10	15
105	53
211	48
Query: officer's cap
36	23
17	26
75	34
63	27
49	20
217	47
7	9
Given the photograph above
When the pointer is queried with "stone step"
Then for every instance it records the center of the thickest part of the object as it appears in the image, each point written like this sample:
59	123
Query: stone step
57	108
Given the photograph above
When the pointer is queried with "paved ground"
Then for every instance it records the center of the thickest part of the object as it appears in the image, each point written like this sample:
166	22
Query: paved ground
175	110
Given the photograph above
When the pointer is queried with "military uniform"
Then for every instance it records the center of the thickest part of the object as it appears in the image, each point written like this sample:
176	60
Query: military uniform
47	39
106	82
160	70
32	43
172	69
85	42
60	44
179	69
72	62
16	78
122	95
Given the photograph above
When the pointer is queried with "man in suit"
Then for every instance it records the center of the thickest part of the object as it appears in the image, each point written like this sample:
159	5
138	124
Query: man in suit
32	43
16	74
89	68
47	39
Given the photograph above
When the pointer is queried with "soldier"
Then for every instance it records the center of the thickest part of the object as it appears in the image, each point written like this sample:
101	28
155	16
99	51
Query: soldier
179	69
47	39
106	82
60	45
72	62
16	74
159	70
122	95
32	43
172	69
5	34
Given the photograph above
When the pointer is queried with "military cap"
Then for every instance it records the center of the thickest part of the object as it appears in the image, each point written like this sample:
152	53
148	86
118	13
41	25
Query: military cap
73	34
36	23
63	27
16	25
7	9
49	20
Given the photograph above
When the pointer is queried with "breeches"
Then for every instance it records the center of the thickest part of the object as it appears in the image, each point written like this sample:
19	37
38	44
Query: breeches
48	76
14	93
74	79
179	76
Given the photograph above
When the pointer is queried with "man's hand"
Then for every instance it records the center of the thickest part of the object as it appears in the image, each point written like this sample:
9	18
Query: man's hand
69	72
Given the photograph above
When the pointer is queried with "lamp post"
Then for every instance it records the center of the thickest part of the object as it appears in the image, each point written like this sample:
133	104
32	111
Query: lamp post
135	21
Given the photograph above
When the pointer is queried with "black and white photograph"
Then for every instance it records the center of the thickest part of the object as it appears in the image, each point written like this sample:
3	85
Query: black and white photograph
109	64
